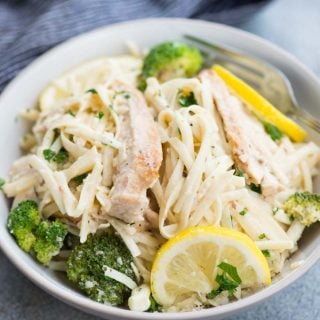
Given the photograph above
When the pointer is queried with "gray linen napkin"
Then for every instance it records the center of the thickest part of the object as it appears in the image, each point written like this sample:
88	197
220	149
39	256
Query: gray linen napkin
30	27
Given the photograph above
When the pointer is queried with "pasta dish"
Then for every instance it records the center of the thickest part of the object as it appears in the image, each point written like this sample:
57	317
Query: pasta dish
155	185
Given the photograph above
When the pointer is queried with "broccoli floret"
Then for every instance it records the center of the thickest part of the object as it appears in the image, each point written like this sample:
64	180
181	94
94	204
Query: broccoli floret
303	206
87	264
49	240
170	60
22	222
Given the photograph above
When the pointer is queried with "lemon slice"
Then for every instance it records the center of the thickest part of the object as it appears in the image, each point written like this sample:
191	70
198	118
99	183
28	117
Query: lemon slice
188	263
87	76
264	109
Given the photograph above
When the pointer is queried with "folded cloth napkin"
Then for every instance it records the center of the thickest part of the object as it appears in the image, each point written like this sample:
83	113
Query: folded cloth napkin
30	27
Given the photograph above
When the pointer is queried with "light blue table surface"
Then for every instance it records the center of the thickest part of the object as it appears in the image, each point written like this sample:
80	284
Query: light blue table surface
291	24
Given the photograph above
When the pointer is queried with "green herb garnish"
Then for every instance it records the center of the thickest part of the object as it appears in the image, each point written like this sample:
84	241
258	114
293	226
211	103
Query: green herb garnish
79	179
154	306
238	172
125	94
266	253
231	271
71	113
100	115
272	131
48	154
262	236
213	293
59	157
275	211
228	280
186	99
2	183
256	188
243	212
93	91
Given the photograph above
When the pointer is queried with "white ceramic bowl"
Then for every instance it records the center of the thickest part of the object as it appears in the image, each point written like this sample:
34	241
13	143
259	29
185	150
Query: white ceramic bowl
24	90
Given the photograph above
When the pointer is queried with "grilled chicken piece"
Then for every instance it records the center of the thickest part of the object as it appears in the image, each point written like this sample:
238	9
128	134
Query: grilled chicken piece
252	147
139	160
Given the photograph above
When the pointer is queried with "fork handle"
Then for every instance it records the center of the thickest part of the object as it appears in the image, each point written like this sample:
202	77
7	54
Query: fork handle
306	118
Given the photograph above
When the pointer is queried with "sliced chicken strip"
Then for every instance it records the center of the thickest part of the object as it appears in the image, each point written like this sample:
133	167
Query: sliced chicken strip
138	162
252	148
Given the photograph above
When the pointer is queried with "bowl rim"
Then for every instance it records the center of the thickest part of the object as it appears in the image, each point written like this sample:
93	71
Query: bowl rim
90	306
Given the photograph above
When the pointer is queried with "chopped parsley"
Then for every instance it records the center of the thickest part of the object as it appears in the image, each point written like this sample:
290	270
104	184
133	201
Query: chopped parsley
71	113
92	90
238	172
2	183
243	212
255	187
272	131
48	154
154	306
126	95
228	280
266	253
231	271
100	115
186	99
79	179
275	210
60	157
262	236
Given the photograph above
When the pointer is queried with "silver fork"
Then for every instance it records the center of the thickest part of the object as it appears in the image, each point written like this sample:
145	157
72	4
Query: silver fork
269	81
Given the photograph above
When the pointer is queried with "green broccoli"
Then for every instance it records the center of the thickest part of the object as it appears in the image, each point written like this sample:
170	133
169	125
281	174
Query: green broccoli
22	222
49	240
303	206
87	264
170	60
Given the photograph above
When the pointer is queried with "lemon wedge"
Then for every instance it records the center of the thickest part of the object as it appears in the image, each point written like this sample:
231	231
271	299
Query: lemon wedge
264	109
87	76
188	263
